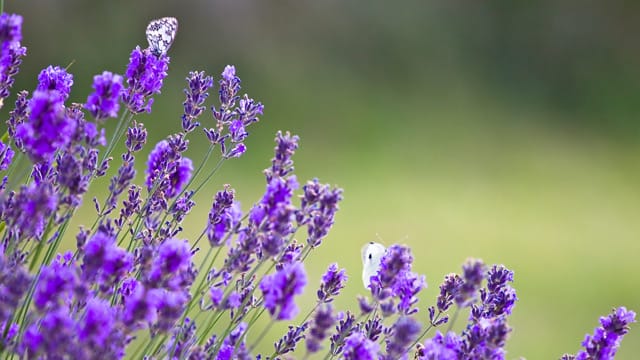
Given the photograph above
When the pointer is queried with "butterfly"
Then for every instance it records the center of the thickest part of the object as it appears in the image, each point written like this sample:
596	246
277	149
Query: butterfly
371	255
160	34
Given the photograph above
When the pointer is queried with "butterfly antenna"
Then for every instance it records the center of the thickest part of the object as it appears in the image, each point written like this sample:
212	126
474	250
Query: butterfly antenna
71	63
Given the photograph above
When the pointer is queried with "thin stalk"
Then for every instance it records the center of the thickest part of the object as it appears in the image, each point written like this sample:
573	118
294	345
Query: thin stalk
262	334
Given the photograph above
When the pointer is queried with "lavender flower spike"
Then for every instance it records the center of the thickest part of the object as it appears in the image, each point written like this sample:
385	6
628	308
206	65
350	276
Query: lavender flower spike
404	332
196	95
30	209
11	52
358	347
280	288
473	272
145	74
6	156
441	347
606	338
332	282
55	78
166	170
104	101
282	164
48	127
322	321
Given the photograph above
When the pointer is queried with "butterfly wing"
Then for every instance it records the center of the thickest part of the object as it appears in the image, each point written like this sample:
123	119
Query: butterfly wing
161	33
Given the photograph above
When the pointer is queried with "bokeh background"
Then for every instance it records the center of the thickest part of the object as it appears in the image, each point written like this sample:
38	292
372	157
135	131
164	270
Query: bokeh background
501	130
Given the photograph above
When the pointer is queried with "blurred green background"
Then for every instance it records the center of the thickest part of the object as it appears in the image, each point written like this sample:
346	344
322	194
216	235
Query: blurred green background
501	130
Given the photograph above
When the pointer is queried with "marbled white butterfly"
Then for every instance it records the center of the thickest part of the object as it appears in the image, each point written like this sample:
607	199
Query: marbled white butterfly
161	33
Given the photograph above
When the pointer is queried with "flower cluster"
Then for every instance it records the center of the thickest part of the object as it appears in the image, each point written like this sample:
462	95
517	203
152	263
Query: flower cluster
11	51
134	274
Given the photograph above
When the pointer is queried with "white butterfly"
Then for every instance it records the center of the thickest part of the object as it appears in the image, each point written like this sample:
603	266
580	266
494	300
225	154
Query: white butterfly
371	255
161	33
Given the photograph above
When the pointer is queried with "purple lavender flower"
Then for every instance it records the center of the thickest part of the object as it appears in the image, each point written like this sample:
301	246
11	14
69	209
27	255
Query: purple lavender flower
6	156
280	288
332	282
183	340
395	279
345	327
172	305
229	87
396	261
144	76
237	151
136	137
105	261
319	205
55	78
290	254
498	298
278	194
322	320
407	289
234	114
104	101
282	164
223	216
172	261
358	347
141	306
166	170
17	116
196	95
448	291
289	341
606	338
233	346
29	210
98	321
56	283
54	336
403	333
374	328
48	128
10	28
473	272
485	339
15	280
11	52
180	177
441	347
242	255
98	333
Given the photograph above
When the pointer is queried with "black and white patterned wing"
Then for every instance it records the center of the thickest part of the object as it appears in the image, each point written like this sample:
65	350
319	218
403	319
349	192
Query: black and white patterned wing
161	33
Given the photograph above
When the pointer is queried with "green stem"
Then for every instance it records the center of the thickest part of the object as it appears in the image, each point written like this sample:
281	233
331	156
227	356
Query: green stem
424	333
453	319
262	334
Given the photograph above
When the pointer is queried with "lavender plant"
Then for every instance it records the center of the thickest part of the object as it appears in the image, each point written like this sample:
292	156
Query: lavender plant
131	287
